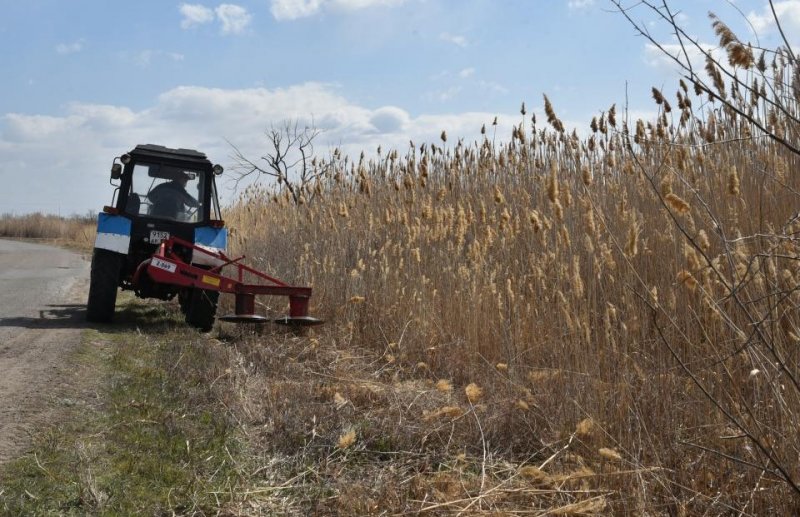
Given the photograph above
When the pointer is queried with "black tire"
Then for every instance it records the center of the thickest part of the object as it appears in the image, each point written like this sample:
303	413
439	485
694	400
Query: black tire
106	266
184	299
201	308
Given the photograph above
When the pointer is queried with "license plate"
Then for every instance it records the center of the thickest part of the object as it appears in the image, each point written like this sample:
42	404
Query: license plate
157	237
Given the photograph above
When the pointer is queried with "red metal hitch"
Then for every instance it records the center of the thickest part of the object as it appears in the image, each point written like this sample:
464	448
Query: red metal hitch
167	267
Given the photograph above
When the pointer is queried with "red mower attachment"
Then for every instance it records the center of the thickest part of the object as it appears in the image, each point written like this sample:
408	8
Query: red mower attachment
166	266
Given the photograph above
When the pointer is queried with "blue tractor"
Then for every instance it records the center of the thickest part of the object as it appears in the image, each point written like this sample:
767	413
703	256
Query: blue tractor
160	193
163	236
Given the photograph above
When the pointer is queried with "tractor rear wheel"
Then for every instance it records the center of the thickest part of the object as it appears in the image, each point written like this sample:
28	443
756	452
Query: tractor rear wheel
106	266
200	308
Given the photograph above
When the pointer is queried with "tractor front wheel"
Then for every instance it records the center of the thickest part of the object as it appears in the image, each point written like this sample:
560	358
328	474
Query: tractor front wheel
106	266
200	307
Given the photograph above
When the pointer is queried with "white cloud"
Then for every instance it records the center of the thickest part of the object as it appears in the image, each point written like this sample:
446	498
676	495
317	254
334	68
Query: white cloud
656	58
455	39
294	9
661	60
466	73
195	14
70	48
389	119
234	18
575	5
29	128
788	12
80	143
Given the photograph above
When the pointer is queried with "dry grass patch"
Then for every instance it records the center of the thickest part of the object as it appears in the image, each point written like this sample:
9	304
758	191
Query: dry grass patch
336	432
71	232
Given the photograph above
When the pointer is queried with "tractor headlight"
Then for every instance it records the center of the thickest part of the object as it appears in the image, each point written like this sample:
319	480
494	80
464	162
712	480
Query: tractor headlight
217	169
125	158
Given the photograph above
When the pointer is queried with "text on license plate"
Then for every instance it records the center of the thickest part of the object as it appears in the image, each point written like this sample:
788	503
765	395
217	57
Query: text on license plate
157	237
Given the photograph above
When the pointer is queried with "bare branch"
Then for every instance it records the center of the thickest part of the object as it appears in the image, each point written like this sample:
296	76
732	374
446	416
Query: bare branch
288	159
780	29
693	76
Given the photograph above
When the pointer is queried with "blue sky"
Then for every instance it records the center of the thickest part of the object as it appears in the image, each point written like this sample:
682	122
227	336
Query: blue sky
86	80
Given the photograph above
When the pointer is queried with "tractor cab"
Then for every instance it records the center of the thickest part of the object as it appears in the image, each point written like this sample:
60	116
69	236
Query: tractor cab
175	185
163	193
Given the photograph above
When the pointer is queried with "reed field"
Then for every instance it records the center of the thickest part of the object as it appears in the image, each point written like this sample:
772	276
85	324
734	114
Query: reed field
75	232
600	324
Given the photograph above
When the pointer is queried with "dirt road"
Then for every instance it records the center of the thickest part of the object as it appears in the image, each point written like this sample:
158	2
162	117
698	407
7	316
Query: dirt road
42	292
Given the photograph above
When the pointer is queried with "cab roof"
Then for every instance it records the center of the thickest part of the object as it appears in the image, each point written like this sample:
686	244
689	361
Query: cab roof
161	152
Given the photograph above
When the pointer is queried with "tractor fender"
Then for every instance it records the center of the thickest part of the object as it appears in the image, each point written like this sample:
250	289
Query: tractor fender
212	240
113	233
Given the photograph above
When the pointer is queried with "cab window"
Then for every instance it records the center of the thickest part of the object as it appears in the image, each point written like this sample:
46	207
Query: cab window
166	192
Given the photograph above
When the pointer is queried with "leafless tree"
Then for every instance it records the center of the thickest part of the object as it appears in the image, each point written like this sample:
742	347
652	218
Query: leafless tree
289	159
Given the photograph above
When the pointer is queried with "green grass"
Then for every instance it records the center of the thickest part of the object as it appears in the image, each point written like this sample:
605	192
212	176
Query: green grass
154	442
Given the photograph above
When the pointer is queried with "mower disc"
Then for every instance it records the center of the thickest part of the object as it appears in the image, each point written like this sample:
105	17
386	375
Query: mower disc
243	318
300	321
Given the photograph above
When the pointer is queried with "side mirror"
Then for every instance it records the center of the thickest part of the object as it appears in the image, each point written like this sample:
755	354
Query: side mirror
116	171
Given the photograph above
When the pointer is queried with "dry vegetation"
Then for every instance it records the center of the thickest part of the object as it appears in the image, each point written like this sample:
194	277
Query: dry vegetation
600	325
76	232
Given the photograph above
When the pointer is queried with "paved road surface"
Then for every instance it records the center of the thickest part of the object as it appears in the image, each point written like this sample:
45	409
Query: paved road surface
42	292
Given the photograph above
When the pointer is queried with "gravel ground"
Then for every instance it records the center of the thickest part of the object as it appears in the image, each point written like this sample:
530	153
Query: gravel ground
42	296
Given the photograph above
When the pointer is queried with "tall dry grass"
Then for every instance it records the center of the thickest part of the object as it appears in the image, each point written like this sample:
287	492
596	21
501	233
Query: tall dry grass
632	294
76	232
